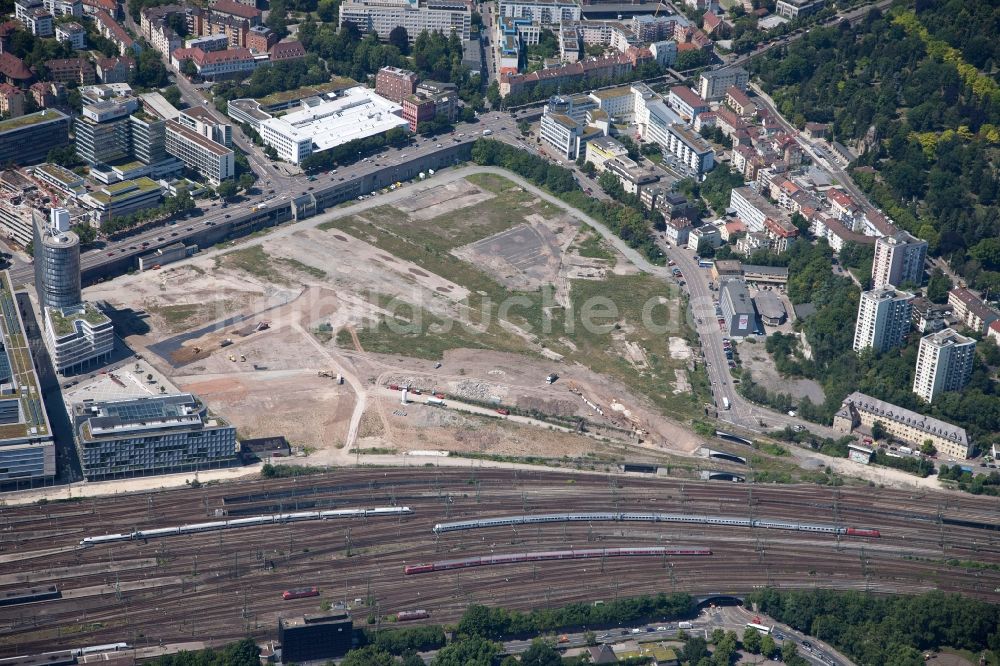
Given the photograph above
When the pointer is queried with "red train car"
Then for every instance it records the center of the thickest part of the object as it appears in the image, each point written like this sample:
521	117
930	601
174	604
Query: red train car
300	593
857	531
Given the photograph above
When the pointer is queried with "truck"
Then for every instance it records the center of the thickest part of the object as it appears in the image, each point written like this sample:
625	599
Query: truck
435	402
551	379
487	132
684	625
905	449
725	402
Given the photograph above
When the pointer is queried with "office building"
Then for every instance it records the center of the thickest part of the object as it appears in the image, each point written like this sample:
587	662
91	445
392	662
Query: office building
713	84
210	159
545	12
566	135
944	363
356	113
78	336
970	309
150	435
395	84
314	637
28	139
883	319
57	262
902	424
201	120
27	450
381	17
602	149
793	9
686	102
123	198
691	150
102	131
899	259
738	309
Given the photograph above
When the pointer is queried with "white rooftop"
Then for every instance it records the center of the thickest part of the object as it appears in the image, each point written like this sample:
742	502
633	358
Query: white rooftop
356	113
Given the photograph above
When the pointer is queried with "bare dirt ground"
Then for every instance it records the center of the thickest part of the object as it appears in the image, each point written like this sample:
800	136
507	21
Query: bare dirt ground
756	359
197	323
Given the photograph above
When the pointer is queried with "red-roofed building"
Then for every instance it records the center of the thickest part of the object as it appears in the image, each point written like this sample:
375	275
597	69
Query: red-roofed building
993	331
47	93
231	63
740	102
109	6
112	30
14	70
230	8
731	229
715	26
11	100
611	66
842	204
66	70
115	70
287	51
686	102
971	310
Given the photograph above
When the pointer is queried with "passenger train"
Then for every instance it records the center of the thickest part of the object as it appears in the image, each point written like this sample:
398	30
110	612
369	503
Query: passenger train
545	556
247	522
654	518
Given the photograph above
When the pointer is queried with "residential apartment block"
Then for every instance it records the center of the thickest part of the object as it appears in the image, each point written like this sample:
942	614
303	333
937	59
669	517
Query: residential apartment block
863	410
944	363
381	16
714	84
545	12
883	319
970	309
899	259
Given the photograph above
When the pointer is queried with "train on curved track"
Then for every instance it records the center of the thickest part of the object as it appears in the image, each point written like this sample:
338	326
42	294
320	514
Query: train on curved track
550	555
654	518
254	521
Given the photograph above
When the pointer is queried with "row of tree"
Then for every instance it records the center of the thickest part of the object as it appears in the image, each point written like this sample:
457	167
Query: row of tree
352	151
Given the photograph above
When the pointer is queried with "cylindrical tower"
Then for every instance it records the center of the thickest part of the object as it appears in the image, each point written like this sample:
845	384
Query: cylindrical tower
57	265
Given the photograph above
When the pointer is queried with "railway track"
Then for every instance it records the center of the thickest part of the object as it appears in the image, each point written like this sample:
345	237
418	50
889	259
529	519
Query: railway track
231	581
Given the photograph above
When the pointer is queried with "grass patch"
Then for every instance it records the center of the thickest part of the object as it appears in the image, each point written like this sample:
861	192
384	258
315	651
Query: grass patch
255	261
324	332
594	247
773	449
177	315
297	265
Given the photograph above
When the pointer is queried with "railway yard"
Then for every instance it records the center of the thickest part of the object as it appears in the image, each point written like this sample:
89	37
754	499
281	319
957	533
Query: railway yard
220	584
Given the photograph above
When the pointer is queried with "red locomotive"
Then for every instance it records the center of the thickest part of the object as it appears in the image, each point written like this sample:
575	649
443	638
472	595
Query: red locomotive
300	593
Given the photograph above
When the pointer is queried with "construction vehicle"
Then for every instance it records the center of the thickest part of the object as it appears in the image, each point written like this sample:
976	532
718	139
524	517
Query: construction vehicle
197	350
262	326
226	342
243	358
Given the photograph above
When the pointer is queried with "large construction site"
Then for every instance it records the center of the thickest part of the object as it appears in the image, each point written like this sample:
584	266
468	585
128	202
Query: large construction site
540	338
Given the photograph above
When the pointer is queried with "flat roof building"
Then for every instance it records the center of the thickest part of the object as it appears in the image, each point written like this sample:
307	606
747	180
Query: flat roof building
714	84
863	410
883	319
382	16
124	198
27	450
899	259
78	336
57	262
150	435
738	309
28	139
209	158
769	306
944	363
356	113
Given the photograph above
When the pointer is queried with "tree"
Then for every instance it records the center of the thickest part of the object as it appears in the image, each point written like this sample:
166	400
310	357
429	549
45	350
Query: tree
590	638
789	651
172	94
400	39
246	181
695	648
938	287
473	651
86	233
690	60
367	656
879	432
751	640
493	94
927	448
540	654
589	169
226	189
768	646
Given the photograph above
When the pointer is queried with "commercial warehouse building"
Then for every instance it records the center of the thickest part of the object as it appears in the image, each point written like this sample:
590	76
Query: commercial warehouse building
738	309
356	113
150	436
27	450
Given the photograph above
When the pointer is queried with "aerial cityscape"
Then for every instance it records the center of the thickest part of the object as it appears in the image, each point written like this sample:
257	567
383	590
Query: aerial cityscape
499	332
